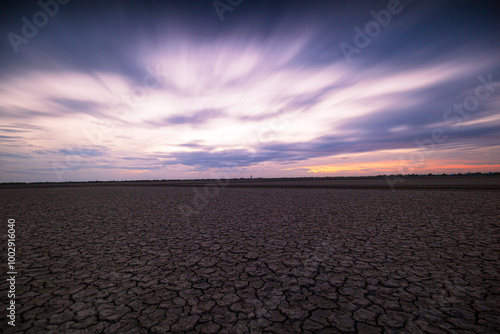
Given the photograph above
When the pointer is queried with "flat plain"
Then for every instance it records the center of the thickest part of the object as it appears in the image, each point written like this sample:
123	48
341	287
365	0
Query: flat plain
142	259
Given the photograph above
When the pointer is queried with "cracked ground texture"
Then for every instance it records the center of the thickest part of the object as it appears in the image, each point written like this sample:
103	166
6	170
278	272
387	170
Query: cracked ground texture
121	260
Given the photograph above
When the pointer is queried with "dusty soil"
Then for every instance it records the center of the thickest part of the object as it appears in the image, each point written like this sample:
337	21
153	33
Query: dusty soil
237	260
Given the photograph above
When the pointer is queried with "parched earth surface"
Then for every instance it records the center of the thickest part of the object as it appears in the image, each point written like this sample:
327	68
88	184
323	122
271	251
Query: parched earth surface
134	259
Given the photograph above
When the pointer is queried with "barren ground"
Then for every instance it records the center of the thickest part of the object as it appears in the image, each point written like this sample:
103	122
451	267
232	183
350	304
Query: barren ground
278	260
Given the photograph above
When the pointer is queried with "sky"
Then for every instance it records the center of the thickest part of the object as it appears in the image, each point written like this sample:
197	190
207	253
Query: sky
135	90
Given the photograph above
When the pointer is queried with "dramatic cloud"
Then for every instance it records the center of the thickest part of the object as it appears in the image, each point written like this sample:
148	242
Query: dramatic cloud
121	90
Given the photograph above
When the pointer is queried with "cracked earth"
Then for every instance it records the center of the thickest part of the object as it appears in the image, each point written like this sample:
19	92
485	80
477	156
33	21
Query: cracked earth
122	260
